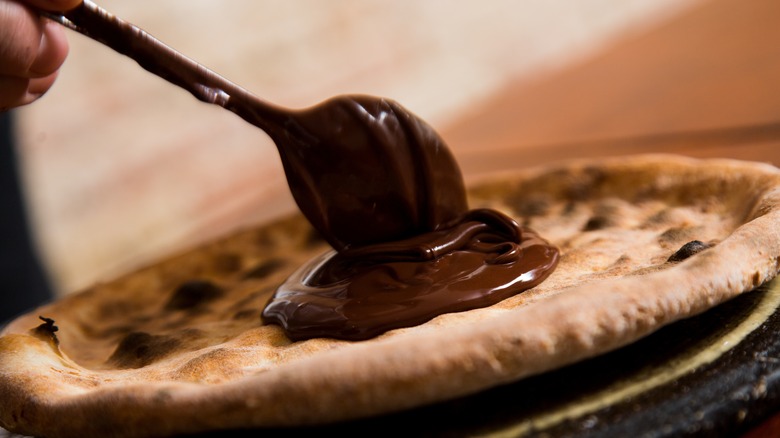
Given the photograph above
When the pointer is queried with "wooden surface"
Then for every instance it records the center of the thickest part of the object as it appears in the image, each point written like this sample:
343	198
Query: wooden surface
703	84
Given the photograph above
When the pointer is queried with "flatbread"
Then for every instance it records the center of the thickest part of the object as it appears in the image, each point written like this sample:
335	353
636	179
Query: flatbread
178	347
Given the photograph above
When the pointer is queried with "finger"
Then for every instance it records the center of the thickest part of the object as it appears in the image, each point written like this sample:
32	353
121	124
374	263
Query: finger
53	5
22	91
29	45
51	52
20	38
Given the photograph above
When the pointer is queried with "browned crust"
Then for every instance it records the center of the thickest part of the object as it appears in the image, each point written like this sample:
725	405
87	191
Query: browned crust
244	375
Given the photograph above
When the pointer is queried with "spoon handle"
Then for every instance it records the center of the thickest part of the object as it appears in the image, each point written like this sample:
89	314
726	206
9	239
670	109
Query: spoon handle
160	59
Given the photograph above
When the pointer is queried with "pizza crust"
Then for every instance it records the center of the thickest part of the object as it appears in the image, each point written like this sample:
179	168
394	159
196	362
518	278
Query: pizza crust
178	346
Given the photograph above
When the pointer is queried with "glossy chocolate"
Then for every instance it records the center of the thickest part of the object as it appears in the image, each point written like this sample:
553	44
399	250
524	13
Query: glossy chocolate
383	189
380	186
364	170
476	261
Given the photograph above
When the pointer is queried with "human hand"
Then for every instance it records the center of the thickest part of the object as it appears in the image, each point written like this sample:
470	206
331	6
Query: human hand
32	49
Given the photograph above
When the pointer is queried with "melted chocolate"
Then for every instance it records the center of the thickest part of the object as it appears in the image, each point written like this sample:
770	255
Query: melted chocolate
379	185
476	261
383	189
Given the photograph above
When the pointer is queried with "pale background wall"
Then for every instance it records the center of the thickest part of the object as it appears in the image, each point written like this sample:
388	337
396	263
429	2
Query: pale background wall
122	167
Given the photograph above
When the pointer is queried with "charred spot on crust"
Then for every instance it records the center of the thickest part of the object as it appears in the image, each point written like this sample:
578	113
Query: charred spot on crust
192	294
691	248
597	223
139	349
264	269
47	330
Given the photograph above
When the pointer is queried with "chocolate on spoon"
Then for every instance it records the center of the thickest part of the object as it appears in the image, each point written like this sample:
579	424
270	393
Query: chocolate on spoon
349	161
380	186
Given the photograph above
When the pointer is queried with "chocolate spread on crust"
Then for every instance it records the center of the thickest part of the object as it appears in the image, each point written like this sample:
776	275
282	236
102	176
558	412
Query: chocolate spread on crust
475	261
381	187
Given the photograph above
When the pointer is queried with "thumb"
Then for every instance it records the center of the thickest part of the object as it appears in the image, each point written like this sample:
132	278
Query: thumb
31	51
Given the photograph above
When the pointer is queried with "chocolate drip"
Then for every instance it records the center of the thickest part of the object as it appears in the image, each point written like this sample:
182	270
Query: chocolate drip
379	185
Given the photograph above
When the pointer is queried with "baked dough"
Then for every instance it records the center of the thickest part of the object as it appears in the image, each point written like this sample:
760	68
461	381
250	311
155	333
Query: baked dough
178	347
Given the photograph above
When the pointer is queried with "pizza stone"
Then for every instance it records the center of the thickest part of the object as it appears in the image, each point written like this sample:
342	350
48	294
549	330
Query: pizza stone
179	346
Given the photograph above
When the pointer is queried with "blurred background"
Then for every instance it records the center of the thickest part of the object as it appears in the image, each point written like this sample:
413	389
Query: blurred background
119	168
